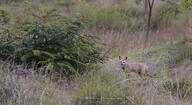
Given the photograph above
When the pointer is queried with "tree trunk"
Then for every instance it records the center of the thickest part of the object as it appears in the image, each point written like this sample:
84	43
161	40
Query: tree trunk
145	12
150	6
149	23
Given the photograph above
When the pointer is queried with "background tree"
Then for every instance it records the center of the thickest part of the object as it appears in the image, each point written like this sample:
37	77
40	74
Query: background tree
148	8
187	4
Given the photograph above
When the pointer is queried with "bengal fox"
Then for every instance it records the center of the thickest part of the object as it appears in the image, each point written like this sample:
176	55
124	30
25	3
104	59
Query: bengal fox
139	68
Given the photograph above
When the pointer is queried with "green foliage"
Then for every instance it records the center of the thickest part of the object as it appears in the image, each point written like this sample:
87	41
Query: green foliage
165	14
187	4
55	43
8	1
6	47
5	41
4	17
60	46
138	1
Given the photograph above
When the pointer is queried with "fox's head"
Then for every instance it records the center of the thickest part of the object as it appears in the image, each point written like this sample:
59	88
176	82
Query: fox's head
123	62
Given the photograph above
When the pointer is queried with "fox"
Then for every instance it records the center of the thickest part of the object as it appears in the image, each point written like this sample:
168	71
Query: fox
139	68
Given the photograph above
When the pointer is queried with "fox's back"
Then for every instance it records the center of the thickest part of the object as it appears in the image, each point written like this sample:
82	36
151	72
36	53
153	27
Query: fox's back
137	67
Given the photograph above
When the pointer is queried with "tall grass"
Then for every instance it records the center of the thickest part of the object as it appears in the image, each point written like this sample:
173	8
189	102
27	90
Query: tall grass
100	86
32	89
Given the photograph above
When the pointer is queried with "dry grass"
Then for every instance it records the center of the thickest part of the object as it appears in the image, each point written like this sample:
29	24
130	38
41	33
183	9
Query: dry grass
33	89
125	42
105	85
132	91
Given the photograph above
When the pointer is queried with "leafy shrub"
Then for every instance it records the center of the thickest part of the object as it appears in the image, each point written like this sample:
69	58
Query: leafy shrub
5	45
56	43
60	46
8	1
165	14
6	48
187	4
4	17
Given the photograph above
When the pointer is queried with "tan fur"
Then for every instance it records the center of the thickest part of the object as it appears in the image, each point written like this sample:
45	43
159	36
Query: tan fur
139	68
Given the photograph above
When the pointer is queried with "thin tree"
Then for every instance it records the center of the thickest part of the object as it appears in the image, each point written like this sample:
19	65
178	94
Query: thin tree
147	13
150	4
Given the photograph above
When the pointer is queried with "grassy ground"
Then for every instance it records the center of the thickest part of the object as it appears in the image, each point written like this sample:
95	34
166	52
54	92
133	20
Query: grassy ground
168	83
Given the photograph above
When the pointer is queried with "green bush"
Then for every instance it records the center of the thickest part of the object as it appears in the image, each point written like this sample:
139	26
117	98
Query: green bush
8	1
6	48
56	43
60	46
165	14
4	17
187	4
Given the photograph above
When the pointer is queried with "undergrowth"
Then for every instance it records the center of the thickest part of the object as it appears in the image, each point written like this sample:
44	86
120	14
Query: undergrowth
58	46
101	88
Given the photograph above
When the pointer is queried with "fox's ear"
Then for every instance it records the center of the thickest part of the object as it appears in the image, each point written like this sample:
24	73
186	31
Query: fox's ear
119	57
126	58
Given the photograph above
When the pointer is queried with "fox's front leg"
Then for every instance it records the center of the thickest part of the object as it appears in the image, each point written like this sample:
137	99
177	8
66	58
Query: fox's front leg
128	73
144	71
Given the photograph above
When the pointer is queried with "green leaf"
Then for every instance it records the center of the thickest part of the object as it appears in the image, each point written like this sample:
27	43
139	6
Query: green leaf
50	67
48	54
138	1
36	52
67	66
26	57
